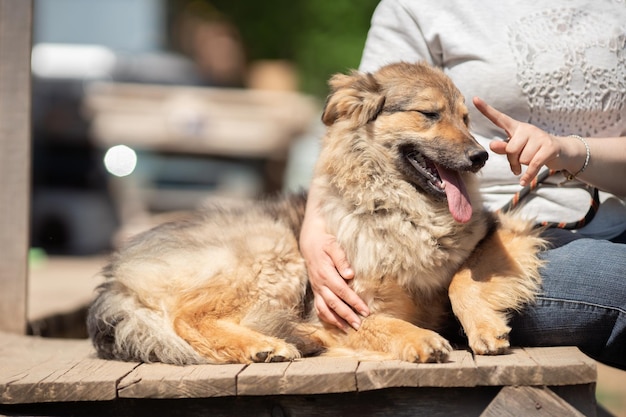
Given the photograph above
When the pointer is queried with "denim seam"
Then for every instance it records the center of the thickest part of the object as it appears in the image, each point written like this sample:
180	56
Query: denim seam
617	309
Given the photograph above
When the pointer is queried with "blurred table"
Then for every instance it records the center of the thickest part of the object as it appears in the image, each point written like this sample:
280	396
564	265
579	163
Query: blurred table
188	126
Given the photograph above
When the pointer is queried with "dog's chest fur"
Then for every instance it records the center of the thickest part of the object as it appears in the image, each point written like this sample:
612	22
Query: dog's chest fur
388	229
417	246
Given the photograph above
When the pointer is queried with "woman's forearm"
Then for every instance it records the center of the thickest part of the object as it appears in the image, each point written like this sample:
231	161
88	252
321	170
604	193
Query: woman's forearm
606	168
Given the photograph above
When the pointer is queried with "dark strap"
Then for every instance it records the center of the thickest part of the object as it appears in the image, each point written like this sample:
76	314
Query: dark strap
535	183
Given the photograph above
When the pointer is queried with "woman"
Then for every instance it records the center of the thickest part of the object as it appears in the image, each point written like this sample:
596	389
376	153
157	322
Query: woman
556	72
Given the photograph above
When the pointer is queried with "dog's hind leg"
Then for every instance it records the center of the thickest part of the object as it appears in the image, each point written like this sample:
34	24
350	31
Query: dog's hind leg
211	320
224	341
501	276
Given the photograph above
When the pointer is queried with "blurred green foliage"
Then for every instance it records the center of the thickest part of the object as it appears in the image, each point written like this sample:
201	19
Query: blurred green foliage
320	37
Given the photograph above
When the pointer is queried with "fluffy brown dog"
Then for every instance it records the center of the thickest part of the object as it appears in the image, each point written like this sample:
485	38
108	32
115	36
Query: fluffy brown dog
396	175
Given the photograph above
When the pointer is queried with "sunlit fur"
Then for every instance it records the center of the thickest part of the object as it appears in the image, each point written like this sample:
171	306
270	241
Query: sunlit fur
229	285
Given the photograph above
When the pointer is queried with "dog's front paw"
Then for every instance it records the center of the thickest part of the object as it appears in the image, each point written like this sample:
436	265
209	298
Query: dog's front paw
490	341
277	351
423	346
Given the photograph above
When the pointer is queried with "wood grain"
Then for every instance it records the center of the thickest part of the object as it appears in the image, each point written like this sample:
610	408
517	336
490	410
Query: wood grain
563	365
35	370
459	371
160	380
529	401
15	42
515	368
320	375
262	379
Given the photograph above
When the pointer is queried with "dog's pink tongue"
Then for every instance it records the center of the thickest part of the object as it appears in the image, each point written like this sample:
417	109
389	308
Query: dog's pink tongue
458	201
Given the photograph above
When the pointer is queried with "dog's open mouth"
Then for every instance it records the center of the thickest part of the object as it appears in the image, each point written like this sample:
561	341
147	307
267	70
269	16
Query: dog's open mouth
444	183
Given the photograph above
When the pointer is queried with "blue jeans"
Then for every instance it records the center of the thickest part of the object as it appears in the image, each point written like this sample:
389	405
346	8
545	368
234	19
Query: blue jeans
583	300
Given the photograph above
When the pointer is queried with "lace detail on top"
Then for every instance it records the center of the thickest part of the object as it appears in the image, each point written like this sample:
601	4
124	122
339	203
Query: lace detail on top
572	59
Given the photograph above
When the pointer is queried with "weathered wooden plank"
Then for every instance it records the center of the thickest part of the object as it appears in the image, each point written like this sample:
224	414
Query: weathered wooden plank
88	379
526	401
31	355
91	379
396	402
307	376
262	378
33	369
515	368
15	42
459	371
321	375
38	370
158	380
563	365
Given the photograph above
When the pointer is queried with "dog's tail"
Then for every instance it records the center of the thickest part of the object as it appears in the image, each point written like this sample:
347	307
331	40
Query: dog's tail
121	328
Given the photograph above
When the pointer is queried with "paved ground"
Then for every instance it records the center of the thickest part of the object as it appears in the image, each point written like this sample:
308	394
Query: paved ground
63	285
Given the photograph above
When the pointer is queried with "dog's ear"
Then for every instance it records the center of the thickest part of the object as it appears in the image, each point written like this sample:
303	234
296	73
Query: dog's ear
356	96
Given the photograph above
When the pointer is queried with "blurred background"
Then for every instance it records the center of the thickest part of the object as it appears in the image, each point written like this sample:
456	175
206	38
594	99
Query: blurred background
146	107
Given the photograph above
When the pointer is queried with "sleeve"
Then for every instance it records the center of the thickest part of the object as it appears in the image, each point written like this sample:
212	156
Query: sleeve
395	35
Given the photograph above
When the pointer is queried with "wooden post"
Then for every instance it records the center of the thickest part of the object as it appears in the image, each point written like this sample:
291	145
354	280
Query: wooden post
15	97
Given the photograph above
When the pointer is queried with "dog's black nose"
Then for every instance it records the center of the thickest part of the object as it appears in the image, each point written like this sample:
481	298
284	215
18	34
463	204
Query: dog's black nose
478	157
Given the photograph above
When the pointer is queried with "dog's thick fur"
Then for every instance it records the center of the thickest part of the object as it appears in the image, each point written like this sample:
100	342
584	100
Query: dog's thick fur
230	285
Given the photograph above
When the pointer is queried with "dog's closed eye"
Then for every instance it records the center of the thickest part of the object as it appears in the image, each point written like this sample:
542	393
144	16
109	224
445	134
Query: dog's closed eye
430	115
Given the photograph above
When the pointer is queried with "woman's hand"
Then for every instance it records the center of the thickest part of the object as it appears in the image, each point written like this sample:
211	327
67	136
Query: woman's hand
531	146
328	268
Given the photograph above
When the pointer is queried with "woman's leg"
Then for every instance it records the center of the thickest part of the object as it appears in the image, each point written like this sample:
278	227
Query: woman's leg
583	301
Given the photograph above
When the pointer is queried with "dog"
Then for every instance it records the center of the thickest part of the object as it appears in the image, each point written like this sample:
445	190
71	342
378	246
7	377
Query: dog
396	176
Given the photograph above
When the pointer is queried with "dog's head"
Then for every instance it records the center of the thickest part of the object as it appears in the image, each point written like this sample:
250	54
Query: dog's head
414	115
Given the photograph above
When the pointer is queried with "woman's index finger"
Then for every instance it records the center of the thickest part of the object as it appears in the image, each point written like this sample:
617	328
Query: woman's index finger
495	116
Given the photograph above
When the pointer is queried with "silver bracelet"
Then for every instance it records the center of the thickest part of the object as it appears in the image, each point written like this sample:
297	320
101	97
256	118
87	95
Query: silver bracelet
569	176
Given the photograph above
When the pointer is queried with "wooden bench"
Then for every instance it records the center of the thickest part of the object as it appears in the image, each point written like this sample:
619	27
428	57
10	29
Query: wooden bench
63	377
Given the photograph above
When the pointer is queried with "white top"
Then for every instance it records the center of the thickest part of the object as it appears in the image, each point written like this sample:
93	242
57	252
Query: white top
558	64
